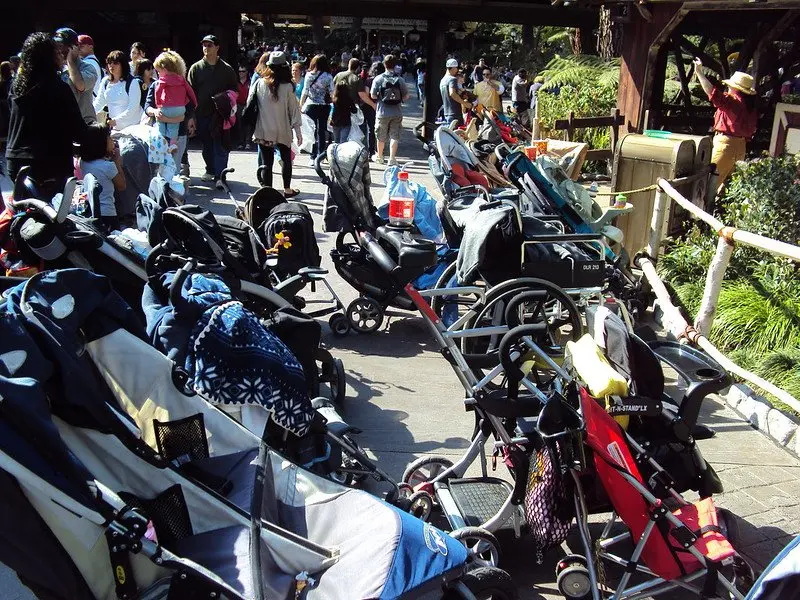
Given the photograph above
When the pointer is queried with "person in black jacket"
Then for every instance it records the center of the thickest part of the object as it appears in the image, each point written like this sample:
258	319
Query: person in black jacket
45	119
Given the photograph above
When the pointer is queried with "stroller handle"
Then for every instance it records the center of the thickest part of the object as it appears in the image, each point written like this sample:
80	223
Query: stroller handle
175	298
371	245
318	168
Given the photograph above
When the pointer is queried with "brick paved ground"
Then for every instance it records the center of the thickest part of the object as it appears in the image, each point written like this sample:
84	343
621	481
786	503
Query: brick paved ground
407	401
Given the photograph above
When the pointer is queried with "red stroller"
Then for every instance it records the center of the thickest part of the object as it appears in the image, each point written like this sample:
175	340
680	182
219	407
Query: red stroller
677	544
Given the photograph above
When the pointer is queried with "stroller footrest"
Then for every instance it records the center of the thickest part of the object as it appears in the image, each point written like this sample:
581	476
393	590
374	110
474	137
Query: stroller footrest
480	498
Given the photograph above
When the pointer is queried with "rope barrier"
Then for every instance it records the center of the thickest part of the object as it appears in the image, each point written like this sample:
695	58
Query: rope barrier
648	188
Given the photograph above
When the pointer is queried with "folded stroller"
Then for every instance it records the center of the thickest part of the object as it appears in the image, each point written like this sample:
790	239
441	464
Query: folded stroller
134	489
677	544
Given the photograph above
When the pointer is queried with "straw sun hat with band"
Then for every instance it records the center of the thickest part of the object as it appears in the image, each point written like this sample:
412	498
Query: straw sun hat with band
741	82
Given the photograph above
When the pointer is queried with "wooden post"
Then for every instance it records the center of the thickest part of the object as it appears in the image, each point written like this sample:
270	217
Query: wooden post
657	223
635	81
570	130
436	59
714	278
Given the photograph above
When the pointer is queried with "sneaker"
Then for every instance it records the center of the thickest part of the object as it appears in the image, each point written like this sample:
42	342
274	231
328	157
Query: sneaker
391	162
173	148
207	177
219	185
379	160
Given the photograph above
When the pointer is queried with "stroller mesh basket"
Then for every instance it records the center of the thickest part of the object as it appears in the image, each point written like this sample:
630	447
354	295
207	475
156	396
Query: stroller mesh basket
548	506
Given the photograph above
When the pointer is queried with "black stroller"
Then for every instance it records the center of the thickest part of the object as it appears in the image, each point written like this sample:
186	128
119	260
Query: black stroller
52	236
132	489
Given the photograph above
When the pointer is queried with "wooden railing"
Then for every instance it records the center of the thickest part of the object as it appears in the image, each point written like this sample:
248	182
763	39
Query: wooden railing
614	121
728	237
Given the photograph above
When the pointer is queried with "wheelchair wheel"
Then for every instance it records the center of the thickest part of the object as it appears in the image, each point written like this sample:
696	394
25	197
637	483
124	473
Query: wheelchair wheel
438	303
339	324
545	303
425	469
483	546
365	314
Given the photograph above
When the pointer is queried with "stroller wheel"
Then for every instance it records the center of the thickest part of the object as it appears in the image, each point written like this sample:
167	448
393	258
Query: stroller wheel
488	583
483	546
338	383
425	469
365	314
421	505
339	324
573	580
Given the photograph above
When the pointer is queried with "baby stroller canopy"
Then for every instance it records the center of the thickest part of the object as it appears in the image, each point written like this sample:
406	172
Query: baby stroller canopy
349	164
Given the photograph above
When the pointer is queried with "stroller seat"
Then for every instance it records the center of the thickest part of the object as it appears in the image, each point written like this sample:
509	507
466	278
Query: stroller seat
701	519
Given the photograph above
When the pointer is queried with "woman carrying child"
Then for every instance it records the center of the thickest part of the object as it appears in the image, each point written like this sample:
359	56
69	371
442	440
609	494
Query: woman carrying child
172	93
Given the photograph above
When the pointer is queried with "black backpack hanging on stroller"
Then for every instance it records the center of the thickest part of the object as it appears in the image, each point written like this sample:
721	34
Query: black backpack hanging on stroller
289	228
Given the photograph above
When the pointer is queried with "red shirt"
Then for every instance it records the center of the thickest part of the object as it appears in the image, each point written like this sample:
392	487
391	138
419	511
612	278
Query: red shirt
242	91
733	117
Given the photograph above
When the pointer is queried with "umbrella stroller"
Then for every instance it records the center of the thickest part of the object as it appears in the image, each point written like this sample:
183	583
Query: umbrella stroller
136	490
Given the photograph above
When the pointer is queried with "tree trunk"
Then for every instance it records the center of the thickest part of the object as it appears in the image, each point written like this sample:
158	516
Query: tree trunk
609	39
527	35
582	41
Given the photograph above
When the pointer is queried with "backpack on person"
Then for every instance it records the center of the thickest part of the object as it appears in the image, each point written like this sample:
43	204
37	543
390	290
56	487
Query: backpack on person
391	92
293	220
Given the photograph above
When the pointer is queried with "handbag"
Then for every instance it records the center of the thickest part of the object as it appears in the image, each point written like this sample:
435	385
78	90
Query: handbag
250	111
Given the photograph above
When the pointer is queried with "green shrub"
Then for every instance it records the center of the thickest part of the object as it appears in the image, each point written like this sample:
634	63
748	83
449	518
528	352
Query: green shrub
587	86
686	260
748	316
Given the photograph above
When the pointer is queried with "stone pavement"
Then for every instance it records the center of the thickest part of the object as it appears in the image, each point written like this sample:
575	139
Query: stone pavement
406	399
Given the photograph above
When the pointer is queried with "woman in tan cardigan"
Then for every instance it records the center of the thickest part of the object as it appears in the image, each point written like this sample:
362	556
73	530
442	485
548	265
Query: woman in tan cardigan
278	116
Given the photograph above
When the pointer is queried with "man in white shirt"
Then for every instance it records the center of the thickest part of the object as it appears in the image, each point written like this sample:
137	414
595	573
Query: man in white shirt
86	51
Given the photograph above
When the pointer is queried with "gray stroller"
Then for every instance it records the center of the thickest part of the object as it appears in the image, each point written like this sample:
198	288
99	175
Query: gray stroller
129	488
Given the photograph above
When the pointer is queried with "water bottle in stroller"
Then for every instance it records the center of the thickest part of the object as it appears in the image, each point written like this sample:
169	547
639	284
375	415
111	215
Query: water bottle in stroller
401	203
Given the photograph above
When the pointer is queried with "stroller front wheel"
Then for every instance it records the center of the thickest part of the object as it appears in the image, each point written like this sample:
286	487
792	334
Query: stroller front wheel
339	325
488	582
365	314
572	578
483	546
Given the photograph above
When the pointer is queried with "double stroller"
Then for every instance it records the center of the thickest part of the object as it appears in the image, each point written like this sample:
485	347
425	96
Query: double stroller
568	454
50	233
131	488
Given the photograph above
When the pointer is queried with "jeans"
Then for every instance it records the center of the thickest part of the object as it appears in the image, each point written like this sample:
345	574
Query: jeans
170	130
421	92
268	154
214	155
368	128
340	134
319	114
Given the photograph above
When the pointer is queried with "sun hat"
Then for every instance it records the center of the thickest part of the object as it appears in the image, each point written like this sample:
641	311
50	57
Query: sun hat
742	82
84	39
277	59
66	36
451	63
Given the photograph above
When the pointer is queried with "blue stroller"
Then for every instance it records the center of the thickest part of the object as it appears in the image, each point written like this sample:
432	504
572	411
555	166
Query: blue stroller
134	489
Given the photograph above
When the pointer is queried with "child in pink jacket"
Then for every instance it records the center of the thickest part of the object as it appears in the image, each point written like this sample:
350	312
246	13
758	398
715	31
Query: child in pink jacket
172	93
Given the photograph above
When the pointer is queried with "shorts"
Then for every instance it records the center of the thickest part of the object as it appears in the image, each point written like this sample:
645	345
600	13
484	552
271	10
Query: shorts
388	128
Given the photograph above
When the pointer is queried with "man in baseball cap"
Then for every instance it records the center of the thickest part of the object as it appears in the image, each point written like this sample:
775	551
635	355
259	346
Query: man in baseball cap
452	103
209	76
78	73
86	51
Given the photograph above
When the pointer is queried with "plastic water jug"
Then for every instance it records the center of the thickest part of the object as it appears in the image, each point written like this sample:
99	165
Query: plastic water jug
401	203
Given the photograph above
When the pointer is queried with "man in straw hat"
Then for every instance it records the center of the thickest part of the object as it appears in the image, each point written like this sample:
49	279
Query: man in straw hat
735	121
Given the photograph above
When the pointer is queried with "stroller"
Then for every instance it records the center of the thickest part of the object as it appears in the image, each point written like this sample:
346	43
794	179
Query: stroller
57	238
511	380
286	230
134	489
677	544
349	209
